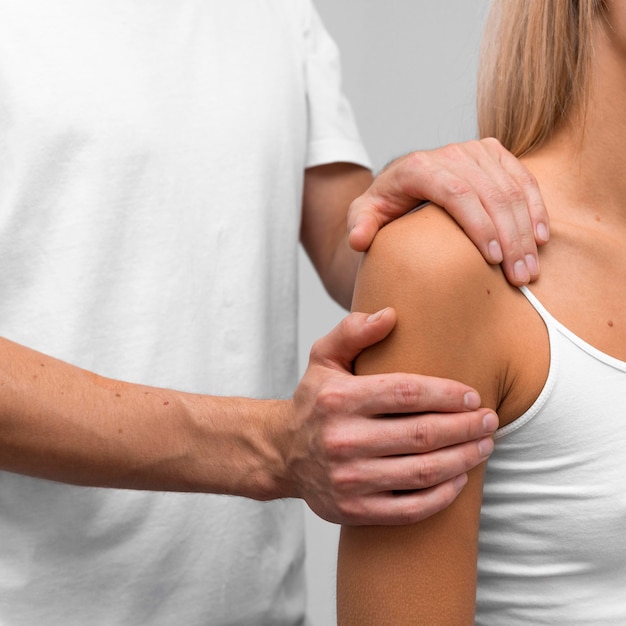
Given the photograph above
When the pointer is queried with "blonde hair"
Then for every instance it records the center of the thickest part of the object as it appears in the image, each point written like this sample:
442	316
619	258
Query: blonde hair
535	62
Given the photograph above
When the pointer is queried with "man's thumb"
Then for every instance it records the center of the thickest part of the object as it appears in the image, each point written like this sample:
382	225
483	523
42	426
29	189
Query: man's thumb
352	335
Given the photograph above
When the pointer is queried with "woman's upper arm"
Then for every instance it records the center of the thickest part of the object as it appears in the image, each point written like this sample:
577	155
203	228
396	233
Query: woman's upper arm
426	268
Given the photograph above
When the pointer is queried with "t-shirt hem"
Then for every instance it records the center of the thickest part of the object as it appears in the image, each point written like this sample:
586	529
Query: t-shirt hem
337	150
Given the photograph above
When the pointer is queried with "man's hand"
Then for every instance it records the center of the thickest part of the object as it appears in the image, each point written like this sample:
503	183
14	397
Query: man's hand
491	195
368	449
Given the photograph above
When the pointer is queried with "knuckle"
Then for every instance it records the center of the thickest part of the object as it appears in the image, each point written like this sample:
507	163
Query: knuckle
527	179
328	398
513	253
408	515
418	160
470	426
428	474
423	436
407	395
400	511
474	145
337	444
452	149
496	198
455	152
317	351
345	481
351	511
458	189
440	499
514	193
526	240
471	458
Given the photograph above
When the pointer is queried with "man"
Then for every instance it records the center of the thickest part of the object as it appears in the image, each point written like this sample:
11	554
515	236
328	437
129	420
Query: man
151	199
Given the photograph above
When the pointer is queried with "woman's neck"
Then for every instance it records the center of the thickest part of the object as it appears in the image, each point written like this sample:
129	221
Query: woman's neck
584	162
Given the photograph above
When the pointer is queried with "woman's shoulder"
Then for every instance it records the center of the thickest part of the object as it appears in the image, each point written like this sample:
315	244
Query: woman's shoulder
428	251
452	306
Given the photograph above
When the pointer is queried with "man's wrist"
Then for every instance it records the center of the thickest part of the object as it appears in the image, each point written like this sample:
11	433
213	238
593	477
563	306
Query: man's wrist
246	447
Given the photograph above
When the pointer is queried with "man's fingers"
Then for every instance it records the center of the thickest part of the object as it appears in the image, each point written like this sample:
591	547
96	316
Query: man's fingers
407	494
412	471
515	206
398	394
534	200
489	204
417	434
393	509
364	437
492	196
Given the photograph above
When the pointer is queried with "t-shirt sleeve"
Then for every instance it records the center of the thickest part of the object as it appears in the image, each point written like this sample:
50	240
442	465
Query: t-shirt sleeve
333	134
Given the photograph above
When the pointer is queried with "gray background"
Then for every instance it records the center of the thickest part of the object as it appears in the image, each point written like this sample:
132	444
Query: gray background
409	70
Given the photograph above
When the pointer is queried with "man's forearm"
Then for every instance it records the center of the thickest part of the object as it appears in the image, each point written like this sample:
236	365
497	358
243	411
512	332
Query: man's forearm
329	445
340	274
328	191
63	423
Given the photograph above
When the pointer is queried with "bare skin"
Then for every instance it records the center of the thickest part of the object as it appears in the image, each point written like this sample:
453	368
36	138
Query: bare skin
492	195
330	445
425	574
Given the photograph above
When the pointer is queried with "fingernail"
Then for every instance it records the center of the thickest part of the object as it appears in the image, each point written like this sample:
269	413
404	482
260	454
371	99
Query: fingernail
490	423
359	220
485	446
459	482
542	232
472	400
532	265
375	316
495	251
520	271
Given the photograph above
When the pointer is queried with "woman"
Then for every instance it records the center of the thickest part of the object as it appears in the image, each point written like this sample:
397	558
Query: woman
550	359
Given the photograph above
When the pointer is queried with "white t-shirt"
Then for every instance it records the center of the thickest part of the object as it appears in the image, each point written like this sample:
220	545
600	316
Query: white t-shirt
151	165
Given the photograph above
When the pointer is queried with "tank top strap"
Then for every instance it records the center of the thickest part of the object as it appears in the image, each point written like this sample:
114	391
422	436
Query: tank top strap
541	310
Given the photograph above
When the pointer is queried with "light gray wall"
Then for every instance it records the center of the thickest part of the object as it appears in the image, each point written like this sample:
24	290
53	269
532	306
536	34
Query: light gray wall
409	71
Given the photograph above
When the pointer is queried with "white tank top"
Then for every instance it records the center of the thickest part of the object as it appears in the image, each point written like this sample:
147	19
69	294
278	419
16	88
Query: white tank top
553	520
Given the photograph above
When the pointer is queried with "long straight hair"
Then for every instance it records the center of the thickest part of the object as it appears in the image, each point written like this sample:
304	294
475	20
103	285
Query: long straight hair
534	69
